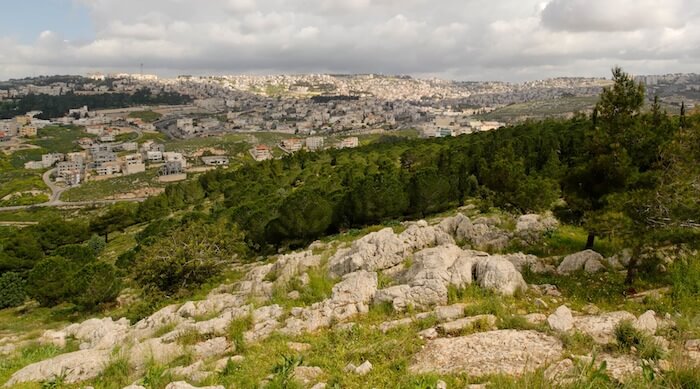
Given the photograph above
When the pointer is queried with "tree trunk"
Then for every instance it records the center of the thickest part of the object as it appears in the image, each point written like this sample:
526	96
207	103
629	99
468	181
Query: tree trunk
107	237
632	266
590	241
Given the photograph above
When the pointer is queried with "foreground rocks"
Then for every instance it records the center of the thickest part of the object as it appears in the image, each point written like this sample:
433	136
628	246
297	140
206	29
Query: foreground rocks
74	367
496	352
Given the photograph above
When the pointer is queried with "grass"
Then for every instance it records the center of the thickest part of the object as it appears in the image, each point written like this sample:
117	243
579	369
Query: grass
99	190
60	139
567	240
117	374
14	179
27	356
147	116
629	337
541	109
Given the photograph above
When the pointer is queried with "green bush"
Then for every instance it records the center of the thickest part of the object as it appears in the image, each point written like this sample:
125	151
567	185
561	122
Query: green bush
94	284
187	257
12	291
48	281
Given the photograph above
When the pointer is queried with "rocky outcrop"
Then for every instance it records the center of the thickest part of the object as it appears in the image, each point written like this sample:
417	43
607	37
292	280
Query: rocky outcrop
587	260
561	320
350	297
602	327
376	251
499	274
384	249
73	367
496	352
530	228
99	333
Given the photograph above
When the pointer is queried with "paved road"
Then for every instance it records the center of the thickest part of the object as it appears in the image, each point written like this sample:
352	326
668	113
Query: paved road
56	190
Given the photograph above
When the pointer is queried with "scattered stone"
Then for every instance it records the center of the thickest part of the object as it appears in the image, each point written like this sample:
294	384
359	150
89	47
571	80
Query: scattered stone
298	347
389	325
134	386
441	385
530	228
539	303
560	372
561	320
56	338
499	274
622	368
508	352
193	372
578	261
646	323
450	312
535	318
481	322
156	350
591	309
320	385
364	368
294	295
185	385
429	334
307	375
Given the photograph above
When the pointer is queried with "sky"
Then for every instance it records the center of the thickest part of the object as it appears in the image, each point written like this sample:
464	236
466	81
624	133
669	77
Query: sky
508	40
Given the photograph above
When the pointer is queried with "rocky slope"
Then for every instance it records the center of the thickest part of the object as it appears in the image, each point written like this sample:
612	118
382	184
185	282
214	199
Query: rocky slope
412	273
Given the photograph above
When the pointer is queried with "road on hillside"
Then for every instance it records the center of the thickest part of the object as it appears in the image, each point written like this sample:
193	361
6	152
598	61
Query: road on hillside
69	204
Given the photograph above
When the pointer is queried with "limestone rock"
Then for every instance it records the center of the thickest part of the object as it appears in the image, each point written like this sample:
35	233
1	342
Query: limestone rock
389	325
508	352
213	304
561	320
185	385
154	349
481	322
429	334
148	326
75	367
99	333
56	338
265	322
622	368
535	318
531	227
194	372
213	348
499	274
307	375
646	323
560	372
376	251
364	368
578	261
602	327
350	297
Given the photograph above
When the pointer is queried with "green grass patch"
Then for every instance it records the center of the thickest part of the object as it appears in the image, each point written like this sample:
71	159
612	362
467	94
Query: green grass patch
147	116
60	139
105	189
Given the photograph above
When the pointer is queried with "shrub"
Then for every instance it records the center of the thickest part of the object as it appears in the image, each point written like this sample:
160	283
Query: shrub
79	255
48	281
96	244
627	337
12	291
187	257
94	284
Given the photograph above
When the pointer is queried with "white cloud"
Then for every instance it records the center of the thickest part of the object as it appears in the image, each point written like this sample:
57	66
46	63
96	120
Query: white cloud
465	39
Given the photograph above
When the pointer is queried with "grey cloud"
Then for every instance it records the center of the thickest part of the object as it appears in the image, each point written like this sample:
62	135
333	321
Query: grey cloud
618	15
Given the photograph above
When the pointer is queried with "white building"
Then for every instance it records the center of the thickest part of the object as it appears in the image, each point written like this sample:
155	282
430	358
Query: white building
170	156
314	143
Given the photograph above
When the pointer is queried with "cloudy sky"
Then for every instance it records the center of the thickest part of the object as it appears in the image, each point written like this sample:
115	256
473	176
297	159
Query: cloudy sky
510	40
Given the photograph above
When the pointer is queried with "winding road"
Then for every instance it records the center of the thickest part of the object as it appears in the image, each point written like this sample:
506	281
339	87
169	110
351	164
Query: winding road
55	199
